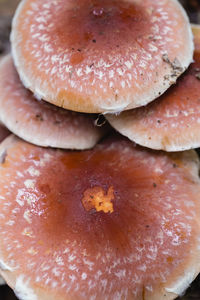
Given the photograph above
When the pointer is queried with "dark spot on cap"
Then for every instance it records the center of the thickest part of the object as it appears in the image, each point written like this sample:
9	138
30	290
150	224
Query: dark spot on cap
39	117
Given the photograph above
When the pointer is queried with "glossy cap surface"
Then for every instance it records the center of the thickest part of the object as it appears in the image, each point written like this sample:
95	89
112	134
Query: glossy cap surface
68	245
100	56
172	122
39	122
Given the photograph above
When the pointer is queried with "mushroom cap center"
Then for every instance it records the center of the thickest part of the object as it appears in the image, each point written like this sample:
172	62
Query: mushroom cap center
96	198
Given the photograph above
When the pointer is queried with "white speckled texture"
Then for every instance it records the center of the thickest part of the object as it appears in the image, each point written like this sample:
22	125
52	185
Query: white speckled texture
39	122
22	289
136	252
100	58
172	122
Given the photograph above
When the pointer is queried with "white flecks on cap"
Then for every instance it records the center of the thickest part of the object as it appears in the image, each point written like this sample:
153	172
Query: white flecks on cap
22	289
120	65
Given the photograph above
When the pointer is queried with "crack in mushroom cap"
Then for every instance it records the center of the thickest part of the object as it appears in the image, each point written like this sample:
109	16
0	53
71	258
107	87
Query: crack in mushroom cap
142	249
172	122
96	57
39	122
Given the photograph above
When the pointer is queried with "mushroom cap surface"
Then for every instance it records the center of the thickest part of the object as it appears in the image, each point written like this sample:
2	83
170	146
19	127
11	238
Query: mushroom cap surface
171	122
39	122
99	57
115	222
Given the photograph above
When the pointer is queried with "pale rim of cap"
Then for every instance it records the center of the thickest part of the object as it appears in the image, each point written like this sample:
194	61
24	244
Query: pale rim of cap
87	101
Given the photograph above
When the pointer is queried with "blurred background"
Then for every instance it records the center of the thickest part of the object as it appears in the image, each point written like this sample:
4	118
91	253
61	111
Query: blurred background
7	8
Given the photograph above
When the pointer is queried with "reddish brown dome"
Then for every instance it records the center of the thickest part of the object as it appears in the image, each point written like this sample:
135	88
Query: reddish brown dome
115	222
39	122
172	122
107	56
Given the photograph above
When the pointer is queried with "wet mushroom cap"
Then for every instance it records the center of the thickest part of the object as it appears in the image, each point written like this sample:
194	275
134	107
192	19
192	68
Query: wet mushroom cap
115	222
96	57
172	122
39	122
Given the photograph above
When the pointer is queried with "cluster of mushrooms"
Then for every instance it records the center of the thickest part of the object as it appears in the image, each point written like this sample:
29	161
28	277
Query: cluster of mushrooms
88	212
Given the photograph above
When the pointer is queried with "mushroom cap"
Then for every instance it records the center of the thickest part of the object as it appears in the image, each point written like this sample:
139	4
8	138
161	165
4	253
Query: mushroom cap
115	222
39	122
106	56
172	122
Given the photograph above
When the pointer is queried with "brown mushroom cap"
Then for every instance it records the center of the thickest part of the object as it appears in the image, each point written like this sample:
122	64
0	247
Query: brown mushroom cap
39	122
107	56
172	122
115	222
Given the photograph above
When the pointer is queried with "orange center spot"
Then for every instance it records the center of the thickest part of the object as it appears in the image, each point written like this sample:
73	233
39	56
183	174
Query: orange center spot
96	198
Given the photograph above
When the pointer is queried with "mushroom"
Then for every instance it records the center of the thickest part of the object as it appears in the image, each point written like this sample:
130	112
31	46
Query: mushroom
172	122
39	122
107	56
115	222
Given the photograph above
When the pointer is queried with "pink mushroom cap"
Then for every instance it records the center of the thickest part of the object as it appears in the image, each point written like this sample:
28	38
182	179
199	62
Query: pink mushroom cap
172	122
100	56
39	122
115	222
